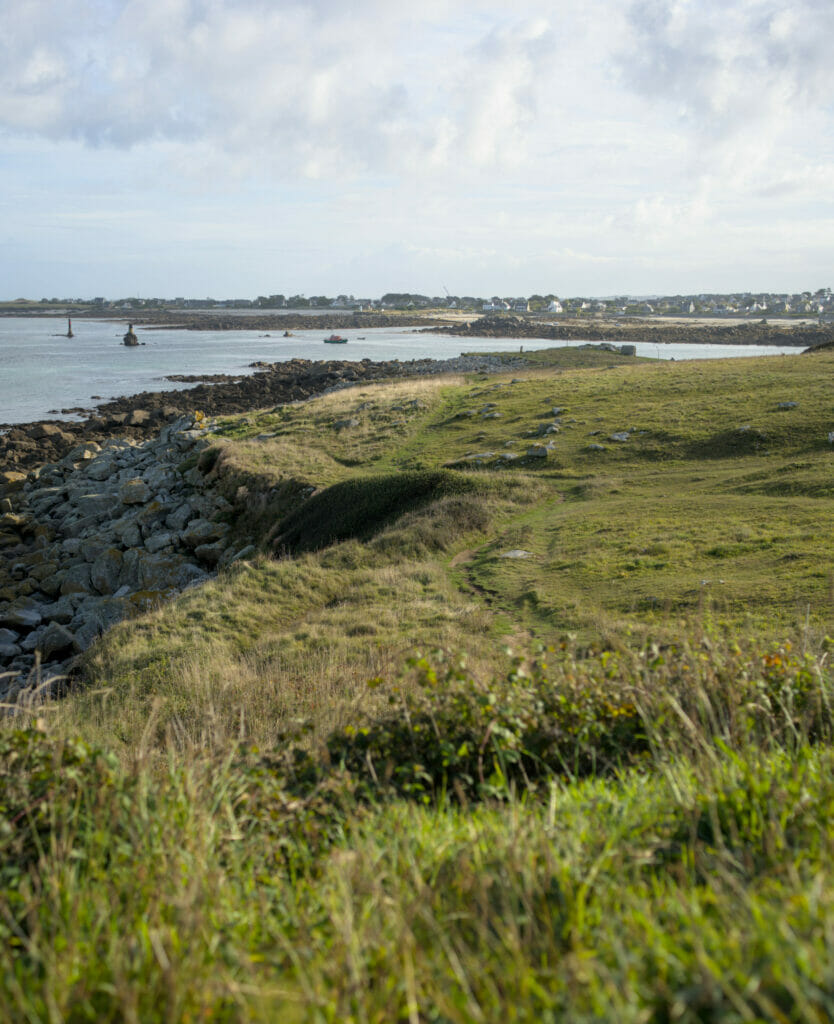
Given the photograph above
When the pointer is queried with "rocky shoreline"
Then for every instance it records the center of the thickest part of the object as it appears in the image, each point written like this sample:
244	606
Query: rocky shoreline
107	531
102	519
804	336
23	446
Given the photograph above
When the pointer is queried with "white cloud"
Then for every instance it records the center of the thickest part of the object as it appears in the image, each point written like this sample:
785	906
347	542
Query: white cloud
588	133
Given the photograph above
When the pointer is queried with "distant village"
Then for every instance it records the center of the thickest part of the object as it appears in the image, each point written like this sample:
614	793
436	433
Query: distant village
817	304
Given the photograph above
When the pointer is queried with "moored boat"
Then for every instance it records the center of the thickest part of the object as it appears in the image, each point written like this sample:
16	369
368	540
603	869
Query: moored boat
335	339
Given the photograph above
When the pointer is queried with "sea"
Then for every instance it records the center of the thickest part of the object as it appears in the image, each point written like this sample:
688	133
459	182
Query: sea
43	372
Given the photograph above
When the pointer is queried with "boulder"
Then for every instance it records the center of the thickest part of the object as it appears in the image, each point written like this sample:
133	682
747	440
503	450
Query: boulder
181	515
11	481
52	431
21	616
61	611
55	639
106	570
158	541
137	417
84	452
92	547
95	504
8	636
128	532
203	531
135	492
167	572
102	468
77	579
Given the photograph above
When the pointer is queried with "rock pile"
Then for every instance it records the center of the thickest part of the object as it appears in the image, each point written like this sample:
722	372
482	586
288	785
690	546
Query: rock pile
107	531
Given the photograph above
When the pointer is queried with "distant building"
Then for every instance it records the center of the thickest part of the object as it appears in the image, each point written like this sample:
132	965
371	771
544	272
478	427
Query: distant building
555	307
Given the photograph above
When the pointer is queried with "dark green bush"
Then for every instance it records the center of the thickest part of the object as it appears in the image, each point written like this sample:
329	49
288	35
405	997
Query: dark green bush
473	739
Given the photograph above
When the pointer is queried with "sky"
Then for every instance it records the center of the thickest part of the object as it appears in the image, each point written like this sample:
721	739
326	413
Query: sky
233	148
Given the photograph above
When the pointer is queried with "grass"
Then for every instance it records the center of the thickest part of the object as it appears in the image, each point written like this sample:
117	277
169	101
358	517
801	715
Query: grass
319	788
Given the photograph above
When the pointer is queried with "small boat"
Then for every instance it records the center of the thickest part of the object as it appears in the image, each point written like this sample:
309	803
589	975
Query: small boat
335	339
287	334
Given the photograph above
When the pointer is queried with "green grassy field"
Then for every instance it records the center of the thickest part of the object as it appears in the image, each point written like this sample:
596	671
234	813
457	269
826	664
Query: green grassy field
477	735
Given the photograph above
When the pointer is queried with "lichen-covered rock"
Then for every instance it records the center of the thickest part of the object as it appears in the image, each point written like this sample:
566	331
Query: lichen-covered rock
135	492
168	572
11	480
158	541
21	615
106	570
203	531
77	579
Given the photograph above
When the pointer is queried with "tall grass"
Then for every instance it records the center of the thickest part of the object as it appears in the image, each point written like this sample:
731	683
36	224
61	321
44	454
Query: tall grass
640	834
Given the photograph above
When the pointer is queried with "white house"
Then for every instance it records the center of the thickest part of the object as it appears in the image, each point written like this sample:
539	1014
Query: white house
555	307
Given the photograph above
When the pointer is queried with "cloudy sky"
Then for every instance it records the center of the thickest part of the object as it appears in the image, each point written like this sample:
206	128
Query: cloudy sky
241	147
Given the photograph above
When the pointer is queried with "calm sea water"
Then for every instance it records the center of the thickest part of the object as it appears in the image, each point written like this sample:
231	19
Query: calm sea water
42	372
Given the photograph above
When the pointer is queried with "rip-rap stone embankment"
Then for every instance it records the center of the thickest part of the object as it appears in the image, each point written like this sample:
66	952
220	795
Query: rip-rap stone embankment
109	530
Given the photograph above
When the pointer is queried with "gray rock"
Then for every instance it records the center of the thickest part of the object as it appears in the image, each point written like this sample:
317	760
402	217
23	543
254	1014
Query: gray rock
515	553
102	467
84	452
194	478
203	531
95	504
21	616
539	451
177	519
55	639
243	554
135	492
77	579
158	541
128	532
60	611
106	570
159	477
787	405
129	576
9	651
8	636
166	572
621	435
33	640
91	548
595	448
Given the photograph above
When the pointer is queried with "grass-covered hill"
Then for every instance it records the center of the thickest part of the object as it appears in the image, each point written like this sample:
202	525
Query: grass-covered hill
522	711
